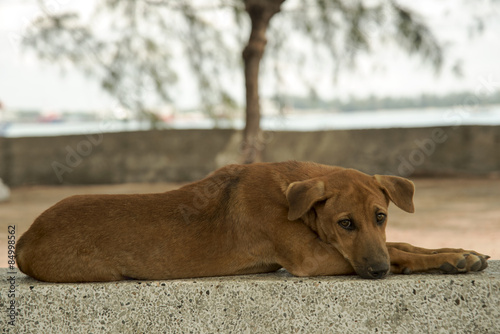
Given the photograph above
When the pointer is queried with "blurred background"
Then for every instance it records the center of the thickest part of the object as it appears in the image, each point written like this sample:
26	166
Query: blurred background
120	96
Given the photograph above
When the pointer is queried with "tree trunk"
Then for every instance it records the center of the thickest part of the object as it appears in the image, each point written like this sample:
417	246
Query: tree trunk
260	12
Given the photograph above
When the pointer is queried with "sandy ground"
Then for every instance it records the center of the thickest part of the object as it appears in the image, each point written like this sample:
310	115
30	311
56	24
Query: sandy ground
462	213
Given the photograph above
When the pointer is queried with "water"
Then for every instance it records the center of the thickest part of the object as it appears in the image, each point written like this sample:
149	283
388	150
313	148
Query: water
306	121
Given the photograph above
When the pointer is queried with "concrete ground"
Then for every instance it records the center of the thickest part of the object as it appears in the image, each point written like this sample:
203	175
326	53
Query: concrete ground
453	212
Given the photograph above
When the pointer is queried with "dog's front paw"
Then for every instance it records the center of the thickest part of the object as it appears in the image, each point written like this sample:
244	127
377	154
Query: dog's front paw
476	261
407	259
462	263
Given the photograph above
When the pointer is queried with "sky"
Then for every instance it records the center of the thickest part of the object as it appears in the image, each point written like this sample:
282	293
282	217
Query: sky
27	83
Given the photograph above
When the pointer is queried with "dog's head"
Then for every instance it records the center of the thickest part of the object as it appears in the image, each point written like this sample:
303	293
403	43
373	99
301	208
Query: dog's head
348	210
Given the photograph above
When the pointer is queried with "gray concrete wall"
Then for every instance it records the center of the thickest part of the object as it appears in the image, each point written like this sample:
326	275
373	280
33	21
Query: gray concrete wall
185	155
268	303
148	156
470	150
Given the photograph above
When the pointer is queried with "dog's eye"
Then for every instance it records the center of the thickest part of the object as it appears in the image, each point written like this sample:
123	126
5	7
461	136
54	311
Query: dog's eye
381	218
346	224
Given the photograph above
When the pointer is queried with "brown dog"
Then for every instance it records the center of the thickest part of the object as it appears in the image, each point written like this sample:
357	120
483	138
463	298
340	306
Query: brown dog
310	219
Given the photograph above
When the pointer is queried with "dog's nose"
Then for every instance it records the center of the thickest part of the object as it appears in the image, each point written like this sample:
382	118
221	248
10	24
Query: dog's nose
378	271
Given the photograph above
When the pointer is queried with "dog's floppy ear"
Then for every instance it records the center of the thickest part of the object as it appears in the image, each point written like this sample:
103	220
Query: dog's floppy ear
302	195
399	190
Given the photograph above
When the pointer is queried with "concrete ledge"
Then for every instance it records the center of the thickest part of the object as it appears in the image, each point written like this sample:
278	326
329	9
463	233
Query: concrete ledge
273	303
